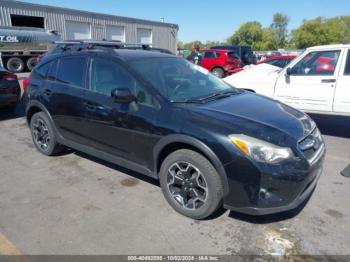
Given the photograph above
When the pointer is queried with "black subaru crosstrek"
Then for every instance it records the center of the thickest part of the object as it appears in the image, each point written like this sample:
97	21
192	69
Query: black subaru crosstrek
209	144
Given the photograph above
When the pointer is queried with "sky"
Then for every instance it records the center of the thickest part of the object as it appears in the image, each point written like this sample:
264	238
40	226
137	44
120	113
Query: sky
207	19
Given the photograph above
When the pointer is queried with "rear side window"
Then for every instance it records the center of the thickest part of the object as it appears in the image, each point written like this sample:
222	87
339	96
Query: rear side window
71	71
209	55
51	75
347	65
42	70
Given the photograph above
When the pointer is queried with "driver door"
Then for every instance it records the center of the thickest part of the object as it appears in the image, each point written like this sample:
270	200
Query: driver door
310	86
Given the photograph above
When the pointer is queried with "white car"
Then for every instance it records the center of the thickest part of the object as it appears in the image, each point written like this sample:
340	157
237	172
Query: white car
318	81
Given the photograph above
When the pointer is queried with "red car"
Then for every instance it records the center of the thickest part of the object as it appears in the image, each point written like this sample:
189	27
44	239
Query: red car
279	61
220	62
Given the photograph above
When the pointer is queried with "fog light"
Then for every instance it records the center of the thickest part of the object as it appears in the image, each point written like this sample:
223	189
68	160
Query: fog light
267	195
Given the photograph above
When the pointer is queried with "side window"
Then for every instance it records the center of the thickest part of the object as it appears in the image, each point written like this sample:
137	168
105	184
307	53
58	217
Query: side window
217	54
42	70
317	63
209	55
106	76
71	71
347	65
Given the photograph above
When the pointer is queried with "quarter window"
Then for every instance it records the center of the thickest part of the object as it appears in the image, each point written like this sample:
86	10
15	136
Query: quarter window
347	65
107	75
71	71
317	63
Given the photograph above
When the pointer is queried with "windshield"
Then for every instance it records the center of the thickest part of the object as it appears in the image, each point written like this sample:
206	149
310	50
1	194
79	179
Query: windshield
179	80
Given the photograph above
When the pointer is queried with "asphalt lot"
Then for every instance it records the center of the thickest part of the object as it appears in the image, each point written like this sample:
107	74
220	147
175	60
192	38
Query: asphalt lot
77	204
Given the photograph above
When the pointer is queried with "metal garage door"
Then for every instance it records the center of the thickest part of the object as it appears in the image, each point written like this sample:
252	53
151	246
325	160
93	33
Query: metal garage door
144	36
77	30
115	32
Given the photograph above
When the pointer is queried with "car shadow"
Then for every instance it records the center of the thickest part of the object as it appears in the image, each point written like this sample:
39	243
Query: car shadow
6	114
265	219
333	125
126	171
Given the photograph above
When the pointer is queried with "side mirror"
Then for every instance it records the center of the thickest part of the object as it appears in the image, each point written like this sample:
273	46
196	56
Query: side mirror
122	95
288	71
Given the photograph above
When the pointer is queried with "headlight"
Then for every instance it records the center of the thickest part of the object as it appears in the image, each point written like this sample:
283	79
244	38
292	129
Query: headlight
261	151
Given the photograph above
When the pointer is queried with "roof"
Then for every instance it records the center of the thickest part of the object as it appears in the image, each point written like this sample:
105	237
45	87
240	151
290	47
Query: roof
328	47
124	54
47	8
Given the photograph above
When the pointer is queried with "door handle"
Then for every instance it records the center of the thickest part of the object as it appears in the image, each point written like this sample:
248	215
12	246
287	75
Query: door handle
328	80
89	106
93	107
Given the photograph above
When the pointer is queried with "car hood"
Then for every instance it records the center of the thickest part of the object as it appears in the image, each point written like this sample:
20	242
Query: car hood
256	115
255	74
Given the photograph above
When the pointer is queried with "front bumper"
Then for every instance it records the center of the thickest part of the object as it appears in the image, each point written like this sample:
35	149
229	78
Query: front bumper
268	191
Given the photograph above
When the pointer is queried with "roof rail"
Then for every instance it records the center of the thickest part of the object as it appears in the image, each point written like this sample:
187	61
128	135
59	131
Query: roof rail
101	43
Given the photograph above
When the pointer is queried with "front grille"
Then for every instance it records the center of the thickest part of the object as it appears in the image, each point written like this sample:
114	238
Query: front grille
312	145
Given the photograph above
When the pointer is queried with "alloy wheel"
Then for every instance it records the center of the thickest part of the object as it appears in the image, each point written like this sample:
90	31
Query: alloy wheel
41	134
187	185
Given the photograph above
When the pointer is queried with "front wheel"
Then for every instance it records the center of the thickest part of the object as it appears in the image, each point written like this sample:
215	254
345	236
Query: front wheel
190	184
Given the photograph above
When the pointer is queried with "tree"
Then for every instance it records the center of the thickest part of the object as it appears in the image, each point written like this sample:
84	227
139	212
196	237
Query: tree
322	31
254	35
279	27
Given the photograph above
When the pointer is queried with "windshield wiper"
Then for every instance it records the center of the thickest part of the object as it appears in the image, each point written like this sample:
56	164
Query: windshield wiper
210	97
219	95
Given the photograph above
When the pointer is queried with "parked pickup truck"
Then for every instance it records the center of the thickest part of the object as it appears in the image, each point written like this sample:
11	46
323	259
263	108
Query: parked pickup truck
318	81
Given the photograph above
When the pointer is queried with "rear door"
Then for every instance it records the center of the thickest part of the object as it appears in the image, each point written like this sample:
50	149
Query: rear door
312	81
342	93
209	60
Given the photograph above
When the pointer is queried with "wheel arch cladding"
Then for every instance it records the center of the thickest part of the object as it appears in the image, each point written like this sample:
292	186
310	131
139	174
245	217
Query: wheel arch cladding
171	143
34	107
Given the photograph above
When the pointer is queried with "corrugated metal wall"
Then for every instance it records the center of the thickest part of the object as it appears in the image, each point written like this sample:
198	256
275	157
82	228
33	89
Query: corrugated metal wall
164	35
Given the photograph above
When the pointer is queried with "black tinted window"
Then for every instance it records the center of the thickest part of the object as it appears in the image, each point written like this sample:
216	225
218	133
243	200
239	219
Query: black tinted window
209	55
42	70
347	65
71	71
107	75
52	72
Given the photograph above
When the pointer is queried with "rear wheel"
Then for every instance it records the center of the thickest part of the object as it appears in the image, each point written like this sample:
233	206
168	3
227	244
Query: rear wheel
15	65
31	63
43	135
190	184
218	72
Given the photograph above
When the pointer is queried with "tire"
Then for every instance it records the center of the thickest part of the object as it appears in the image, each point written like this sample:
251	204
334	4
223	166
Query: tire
31	63
43	135
15	65
200	203
218	72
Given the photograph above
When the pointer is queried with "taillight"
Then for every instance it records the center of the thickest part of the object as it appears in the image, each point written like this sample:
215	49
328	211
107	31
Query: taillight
10	77
26	83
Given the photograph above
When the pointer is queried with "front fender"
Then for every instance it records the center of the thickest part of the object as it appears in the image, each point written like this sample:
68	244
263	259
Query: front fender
199	145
